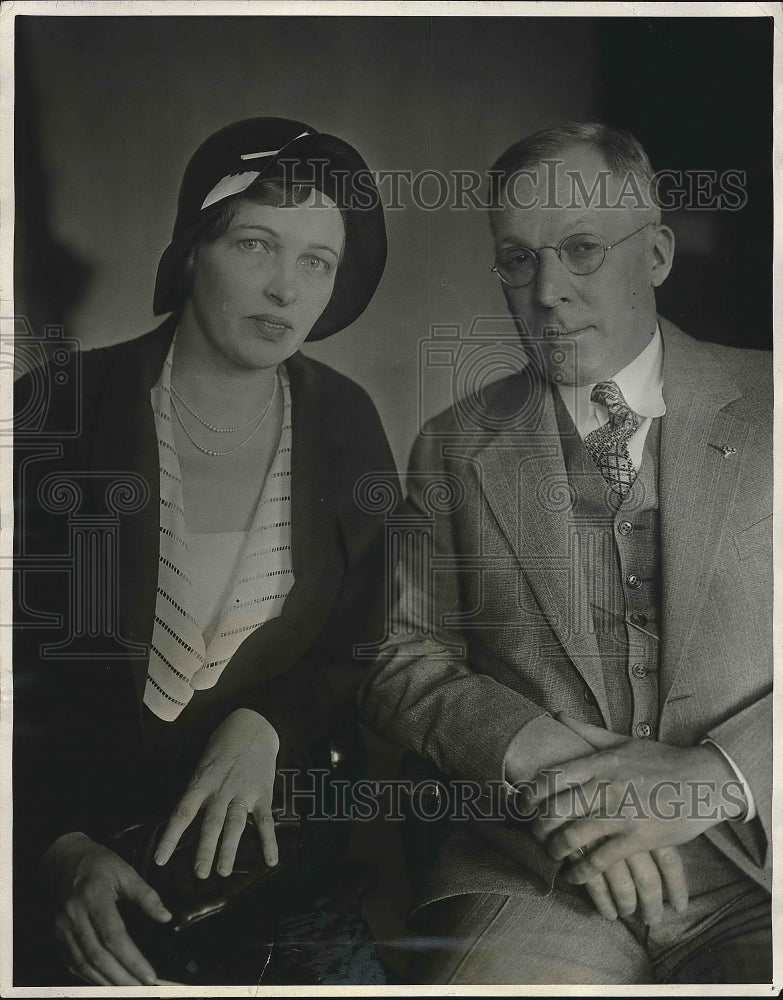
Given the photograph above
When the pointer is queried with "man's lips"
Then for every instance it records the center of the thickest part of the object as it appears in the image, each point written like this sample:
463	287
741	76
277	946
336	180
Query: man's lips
272	327
556	331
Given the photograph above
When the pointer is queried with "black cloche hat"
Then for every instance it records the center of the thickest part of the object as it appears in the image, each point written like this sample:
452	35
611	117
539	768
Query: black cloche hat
229	161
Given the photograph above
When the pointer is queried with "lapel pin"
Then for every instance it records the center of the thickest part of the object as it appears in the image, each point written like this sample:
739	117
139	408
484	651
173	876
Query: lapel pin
727	450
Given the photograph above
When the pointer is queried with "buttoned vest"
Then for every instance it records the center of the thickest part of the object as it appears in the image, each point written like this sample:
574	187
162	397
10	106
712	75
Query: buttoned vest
619	545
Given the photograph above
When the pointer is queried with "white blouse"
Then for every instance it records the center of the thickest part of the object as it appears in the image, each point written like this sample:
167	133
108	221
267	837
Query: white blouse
213	590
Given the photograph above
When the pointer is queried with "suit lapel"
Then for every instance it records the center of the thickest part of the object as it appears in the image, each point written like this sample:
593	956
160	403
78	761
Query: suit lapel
698	487
316	474
317	485
526	487
125	442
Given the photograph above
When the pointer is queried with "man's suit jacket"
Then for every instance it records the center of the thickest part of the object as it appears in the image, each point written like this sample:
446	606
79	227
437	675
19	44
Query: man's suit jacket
80	738
494	626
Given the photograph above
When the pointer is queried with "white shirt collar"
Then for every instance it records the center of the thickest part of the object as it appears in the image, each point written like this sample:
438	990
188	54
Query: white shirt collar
641	383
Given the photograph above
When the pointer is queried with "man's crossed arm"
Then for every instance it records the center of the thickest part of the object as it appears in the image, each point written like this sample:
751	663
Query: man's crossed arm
627	797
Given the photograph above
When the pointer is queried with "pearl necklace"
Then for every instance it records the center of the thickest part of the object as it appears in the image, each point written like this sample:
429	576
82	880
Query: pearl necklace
259	420
206	423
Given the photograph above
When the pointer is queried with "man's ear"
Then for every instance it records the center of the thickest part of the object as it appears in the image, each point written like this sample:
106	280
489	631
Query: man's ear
662	254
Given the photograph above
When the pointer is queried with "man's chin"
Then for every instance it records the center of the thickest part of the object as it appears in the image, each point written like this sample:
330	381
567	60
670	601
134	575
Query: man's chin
570	359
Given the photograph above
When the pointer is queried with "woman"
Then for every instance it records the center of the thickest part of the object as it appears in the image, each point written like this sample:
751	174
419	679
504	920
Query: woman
246	571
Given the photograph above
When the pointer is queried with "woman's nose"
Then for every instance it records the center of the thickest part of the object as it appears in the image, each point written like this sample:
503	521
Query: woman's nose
281	284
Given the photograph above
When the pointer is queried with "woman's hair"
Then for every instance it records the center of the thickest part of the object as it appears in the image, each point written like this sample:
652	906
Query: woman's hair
275	191
620	150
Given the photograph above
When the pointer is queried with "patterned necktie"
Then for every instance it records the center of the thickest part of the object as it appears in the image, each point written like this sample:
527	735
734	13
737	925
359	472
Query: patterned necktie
608	444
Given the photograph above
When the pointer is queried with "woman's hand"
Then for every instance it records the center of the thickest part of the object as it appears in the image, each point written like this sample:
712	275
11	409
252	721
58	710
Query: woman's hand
87	881
234	777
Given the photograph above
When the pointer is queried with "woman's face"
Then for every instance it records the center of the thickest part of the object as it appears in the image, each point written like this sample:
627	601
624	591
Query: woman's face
260	287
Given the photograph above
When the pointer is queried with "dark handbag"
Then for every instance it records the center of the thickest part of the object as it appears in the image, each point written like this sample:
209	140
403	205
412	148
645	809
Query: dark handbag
191	899
219	932
223	927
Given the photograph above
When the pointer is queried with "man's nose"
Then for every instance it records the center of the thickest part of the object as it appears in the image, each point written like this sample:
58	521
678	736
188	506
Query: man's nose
553	279
281	282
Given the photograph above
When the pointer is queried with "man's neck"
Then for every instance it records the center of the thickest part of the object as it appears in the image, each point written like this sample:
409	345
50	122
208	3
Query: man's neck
640	381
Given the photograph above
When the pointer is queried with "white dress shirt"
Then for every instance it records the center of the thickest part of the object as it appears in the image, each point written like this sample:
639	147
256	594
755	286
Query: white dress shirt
641	383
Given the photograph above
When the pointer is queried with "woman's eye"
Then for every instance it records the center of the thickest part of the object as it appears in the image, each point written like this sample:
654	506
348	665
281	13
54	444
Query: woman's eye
253	245
316	264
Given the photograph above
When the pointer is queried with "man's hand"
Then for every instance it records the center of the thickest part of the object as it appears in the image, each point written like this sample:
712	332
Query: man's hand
631	796
234	777
639	882
87	881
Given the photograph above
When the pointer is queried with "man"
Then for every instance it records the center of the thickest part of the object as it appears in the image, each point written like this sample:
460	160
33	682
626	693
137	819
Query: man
607	616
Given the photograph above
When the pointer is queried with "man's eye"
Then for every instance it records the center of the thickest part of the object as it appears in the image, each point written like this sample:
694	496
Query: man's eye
584	246
517	258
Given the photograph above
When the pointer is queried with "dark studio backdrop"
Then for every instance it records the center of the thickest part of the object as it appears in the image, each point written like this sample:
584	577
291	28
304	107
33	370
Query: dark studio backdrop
108	110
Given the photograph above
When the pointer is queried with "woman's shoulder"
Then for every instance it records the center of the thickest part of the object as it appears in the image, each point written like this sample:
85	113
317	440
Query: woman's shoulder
71	382
315	383
148	349
342	410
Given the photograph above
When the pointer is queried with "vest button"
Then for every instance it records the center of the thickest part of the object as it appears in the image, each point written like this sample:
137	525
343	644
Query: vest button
637	618
633	581
589	697
625	527
639	670
643	730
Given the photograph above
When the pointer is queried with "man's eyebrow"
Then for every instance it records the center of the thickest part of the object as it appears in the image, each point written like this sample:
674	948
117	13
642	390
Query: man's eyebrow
583	224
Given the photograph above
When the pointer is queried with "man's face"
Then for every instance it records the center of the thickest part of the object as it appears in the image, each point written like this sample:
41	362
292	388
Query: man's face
605	318
260	287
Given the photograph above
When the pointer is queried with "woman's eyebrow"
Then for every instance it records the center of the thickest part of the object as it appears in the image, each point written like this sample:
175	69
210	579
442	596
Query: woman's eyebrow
257	225
323	246
276	235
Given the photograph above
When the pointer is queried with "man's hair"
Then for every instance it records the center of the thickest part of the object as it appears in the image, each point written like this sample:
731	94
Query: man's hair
275	191
620	150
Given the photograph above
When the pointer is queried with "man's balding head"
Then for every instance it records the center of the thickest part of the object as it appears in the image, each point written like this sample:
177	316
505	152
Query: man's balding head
595	295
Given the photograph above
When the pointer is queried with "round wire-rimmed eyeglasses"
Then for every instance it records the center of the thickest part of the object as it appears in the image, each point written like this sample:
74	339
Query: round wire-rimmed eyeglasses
582	253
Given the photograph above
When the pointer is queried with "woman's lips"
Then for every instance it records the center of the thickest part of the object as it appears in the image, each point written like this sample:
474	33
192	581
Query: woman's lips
271	327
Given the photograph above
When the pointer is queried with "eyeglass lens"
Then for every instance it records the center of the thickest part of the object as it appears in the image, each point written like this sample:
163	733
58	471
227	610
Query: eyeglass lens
580	253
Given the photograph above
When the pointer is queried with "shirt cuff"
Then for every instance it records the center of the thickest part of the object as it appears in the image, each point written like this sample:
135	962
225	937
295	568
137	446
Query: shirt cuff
750	808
